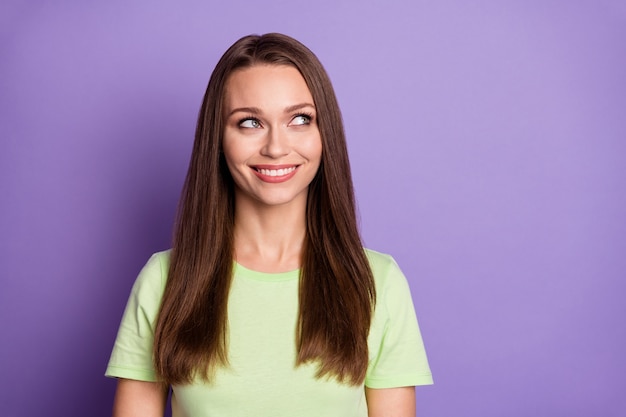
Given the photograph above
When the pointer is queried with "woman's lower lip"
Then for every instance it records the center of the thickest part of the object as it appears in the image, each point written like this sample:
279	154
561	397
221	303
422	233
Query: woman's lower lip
274	179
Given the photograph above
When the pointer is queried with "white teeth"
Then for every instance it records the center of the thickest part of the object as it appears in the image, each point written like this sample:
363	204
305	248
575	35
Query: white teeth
276	172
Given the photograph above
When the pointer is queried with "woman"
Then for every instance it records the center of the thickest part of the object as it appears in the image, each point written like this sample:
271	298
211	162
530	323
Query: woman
267	304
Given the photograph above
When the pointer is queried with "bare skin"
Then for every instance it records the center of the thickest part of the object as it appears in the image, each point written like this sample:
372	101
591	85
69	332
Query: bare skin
390	402
139	399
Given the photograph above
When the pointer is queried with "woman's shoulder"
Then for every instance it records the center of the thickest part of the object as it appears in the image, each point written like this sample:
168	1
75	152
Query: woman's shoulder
385	269
162	258
378	259
380	263
152	277
393	293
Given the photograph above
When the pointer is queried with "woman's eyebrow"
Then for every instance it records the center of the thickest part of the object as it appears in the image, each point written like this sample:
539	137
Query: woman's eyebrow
252	110
295	107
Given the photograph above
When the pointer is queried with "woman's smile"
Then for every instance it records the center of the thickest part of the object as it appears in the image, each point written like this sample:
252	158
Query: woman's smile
275	173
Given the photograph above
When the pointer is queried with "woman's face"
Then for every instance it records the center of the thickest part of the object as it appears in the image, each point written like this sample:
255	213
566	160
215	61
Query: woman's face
271	140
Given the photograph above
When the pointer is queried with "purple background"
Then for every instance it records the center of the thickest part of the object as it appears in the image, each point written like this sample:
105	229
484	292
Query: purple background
488	147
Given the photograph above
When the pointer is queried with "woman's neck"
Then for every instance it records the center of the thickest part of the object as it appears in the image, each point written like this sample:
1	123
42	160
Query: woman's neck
269	238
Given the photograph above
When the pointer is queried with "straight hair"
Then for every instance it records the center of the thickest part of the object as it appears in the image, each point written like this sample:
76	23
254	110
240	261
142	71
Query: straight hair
336	286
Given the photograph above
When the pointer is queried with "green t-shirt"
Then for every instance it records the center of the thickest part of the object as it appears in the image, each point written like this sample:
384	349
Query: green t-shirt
262	379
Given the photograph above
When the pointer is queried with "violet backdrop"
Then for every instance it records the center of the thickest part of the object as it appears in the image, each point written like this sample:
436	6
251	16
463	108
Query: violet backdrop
487	141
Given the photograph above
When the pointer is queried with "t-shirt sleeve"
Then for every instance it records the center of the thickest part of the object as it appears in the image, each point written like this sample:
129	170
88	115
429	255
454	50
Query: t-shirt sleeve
132	352
397	354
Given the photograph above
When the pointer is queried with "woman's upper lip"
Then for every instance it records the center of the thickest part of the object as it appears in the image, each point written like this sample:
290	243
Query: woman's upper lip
276	166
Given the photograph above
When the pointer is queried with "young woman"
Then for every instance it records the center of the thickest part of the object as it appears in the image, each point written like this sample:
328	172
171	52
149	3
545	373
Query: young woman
267	304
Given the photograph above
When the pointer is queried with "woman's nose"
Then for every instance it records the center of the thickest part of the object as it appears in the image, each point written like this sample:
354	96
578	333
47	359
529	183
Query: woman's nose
276	143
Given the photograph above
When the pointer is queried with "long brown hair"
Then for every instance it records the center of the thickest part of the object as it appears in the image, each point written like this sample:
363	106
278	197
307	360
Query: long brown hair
336	289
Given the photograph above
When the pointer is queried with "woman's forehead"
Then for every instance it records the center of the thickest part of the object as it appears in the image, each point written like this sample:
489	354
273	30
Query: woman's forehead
268	87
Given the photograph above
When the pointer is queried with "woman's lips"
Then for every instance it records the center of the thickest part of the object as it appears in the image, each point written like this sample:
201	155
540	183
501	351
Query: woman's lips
275	173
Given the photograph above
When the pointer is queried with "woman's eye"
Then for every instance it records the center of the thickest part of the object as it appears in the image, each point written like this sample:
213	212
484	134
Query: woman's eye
250	124
301	119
